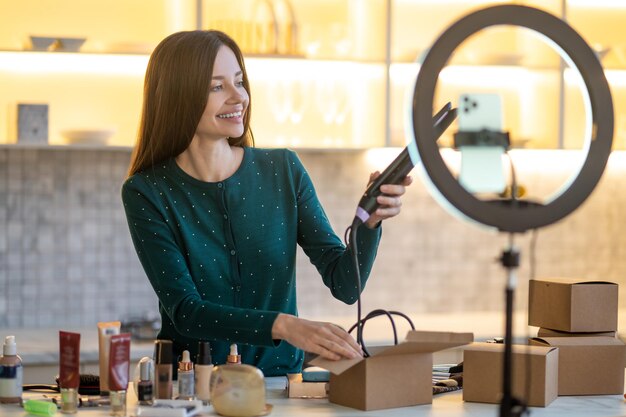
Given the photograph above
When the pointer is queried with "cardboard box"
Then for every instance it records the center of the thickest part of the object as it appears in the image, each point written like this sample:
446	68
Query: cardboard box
483	366
297	388
572	305
588	365
542	332
393	376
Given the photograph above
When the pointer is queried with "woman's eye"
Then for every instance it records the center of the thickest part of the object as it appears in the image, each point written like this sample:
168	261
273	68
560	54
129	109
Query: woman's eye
240	83
216	88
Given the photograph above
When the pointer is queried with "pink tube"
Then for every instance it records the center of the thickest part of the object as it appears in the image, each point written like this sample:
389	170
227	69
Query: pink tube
69	372
69	359
119	362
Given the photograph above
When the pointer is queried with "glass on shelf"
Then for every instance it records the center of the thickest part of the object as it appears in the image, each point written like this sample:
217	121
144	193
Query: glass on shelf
269	28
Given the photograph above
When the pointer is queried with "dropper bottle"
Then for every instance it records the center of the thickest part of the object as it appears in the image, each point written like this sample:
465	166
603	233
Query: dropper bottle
234	357
186	378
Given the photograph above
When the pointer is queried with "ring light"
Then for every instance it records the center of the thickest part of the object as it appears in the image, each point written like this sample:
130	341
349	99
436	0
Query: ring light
504	215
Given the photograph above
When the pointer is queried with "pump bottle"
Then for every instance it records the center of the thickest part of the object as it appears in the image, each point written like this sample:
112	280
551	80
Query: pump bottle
203	370
11	373
163	353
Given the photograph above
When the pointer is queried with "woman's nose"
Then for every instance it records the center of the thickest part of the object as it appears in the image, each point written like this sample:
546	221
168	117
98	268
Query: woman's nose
238	94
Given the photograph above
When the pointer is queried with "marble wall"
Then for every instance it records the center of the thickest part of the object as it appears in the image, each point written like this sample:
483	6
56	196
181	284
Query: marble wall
66	257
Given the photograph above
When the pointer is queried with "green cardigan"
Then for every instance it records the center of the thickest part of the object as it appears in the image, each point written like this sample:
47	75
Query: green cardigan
221	256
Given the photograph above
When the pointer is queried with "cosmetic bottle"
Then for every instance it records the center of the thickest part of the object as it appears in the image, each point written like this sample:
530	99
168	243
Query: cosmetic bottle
119	364
105	331
69	371
234	357
203	368
144	386
185	378
163	353
11	372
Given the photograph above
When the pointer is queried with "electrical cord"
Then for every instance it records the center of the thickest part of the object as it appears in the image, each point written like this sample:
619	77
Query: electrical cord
389	314
89	384
350	238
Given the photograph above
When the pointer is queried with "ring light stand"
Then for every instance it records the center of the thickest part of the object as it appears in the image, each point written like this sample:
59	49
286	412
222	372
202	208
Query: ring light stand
512	216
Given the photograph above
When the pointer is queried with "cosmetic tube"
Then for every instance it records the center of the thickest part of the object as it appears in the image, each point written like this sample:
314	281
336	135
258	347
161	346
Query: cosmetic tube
119	365
69	371
163	353
40	408
203	368
144	386
105	331
186	389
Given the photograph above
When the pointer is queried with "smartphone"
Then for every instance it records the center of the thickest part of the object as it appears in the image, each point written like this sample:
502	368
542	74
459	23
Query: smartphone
481	165
480	111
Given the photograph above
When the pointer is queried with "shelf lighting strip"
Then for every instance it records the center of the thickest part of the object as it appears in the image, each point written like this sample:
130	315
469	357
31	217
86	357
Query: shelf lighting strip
72	63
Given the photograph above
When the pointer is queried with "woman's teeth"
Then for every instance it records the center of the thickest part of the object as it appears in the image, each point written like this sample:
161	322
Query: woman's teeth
229	115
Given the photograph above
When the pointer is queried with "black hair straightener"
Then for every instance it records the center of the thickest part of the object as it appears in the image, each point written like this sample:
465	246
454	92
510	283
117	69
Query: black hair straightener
399	168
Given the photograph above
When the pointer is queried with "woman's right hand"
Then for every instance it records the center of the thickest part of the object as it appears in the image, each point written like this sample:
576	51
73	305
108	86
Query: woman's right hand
325	339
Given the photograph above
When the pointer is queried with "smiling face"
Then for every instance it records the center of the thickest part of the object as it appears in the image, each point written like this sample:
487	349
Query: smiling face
228	99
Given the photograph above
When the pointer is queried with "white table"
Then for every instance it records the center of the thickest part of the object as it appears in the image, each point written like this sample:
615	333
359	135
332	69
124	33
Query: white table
444	405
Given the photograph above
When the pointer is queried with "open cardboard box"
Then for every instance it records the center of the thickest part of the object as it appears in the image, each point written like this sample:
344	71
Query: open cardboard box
588	365
542	332
297	388
393	376
572	305
483	366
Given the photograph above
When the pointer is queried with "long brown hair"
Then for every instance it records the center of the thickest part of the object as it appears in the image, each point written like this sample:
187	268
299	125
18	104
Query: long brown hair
176	90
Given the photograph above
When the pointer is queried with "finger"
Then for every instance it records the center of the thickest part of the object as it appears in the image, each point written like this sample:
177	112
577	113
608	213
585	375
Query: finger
385	213
342	348
387	201
347	340
341	342
356	348
408	180
393	189
325	353
373	176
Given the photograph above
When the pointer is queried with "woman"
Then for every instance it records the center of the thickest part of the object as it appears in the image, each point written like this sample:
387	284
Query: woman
215	222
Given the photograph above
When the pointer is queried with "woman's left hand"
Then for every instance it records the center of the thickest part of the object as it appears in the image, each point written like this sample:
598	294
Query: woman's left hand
389	200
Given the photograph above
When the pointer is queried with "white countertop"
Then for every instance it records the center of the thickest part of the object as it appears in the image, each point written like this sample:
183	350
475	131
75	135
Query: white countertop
444	405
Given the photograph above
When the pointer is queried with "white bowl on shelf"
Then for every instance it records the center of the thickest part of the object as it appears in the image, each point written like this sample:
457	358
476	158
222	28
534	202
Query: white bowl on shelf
70	44
41	43
87	136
